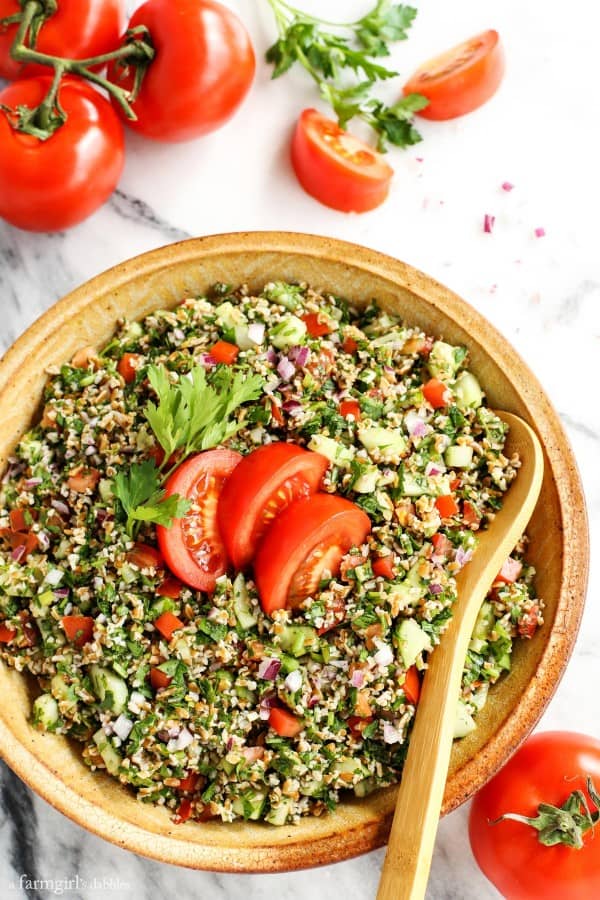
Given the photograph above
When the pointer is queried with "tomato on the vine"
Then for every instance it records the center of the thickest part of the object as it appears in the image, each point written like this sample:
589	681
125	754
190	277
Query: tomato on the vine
203	68
79	29
548	769
53	184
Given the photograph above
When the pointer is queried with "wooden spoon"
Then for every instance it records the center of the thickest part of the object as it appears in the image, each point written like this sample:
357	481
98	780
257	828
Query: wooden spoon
412	838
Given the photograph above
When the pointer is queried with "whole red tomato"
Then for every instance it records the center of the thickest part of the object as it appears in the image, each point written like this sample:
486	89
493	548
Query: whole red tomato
78	29
53	184
547	769
203	69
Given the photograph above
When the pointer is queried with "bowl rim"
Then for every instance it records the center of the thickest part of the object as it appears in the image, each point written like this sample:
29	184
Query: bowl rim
524	715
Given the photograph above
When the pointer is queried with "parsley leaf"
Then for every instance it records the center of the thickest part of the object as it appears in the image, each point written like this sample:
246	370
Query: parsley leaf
143	499
385	23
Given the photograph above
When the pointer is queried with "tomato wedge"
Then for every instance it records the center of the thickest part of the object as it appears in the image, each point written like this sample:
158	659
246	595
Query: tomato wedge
337	168
311	537
261	487
79	629
460	80
285	723
192	547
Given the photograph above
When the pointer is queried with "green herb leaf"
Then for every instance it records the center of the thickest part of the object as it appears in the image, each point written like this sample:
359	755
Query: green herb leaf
386	23
143	499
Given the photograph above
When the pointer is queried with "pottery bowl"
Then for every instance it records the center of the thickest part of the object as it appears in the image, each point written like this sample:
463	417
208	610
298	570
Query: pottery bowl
52	765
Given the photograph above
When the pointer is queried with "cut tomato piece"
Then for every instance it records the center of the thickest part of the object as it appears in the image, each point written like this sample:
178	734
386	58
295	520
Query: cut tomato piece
510	571
470	514
443	546
412	685
184	812
284	722
277	414
350	408
145	557
436	393
349	346
79	629
193	548
357	725
384	566
315	326
17	520
310	538
224	352
159	680
337	168
189	782
6	634
167	624
171	587
129	365
446	506
84	480
261	487
460	80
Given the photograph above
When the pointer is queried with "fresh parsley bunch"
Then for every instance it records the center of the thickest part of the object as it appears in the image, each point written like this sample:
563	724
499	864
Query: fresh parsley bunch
330	51
189	416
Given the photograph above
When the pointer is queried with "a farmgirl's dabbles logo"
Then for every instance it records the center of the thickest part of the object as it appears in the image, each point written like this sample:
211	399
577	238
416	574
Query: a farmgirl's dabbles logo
69	885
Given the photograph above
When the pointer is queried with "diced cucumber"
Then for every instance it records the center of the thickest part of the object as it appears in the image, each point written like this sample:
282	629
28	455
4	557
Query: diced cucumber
484	623
363	572
444	360
105	489
290	331
467	391
112	760
416	485
464	722
330	448
61	690
224	675
242	339
367	481
394	340
288	664
160	606
479	698
365	787
241	603
250	804
45	712
459	456
389	441
346	765
409	591
41	603
109	688
411	641
279	814
245	693
229	316
299	639
312	787
287	295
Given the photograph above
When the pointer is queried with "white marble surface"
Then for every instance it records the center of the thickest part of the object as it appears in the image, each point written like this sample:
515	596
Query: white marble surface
541	132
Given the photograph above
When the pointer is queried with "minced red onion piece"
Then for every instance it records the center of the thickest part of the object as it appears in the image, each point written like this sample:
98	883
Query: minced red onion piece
43	540
264	709
183	740
384	656
285	368
391	734
18	553
417	427
357	678
462	557
540	232
90	450
60	507
293	407
207	360
488	223
507	186
436	588
271	355
32	482
293	681
313	702
269	668
61	592
256	332
178	334
229	744
122	727
434	468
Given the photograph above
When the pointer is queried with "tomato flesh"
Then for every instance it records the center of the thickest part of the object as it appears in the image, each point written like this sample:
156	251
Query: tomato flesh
264	484
79	629
462	79
350	408
412	685
436	393
284	722
337	168
167	624
6	634
384	566
311	537
159	679
446	506
316	327
193	548
224	352
128	366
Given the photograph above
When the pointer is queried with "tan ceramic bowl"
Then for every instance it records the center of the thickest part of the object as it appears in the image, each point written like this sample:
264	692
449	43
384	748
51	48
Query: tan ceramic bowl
52	766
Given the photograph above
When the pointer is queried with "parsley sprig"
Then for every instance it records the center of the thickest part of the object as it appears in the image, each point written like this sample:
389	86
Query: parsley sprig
330	52
189	416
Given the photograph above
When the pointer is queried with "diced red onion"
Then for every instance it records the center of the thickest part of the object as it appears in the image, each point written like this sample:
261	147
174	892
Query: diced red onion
434	468
61	593
417	426
391	734
268	668
540	232
313	702
32	482
60	507
252	753
136	702
271	385
285	368
507	186
357	679
183	740
436	588
462	557
229	744
256	332
264	709
271	355
207	360
90	450
122	727
384	656
18	553
389	370
299	355
488	223
293	681
15	468
293	407
43	540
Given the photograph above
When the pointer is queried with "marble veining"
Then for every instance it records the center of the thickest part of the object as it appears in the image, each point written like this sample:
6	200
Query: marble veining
541	292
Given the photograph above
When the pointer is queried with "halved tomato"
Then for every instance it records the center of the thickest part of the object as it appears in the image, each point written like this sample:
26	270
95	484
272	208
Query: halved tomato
460	80
261	487
311	537
337	168
193	548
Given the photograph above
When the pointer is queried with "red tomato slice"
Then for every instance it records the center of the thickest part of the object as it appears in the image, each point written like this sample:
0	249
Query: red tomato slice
311	536
193	547
337	168
510	571
159	680
384	566
436	393
350	408
167	624
460	80
128	366
315	327
261	487
224	352
79	629
285	723
412	685
446	506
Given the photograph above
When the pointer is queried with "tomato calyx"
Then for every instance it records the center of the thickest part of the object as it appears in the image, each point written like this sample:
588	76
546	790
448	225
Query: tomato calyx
564	824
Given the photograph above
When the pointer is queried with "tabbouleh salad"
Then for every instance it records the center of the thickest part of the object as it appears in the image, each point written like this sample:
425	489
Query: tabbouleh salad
188	695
